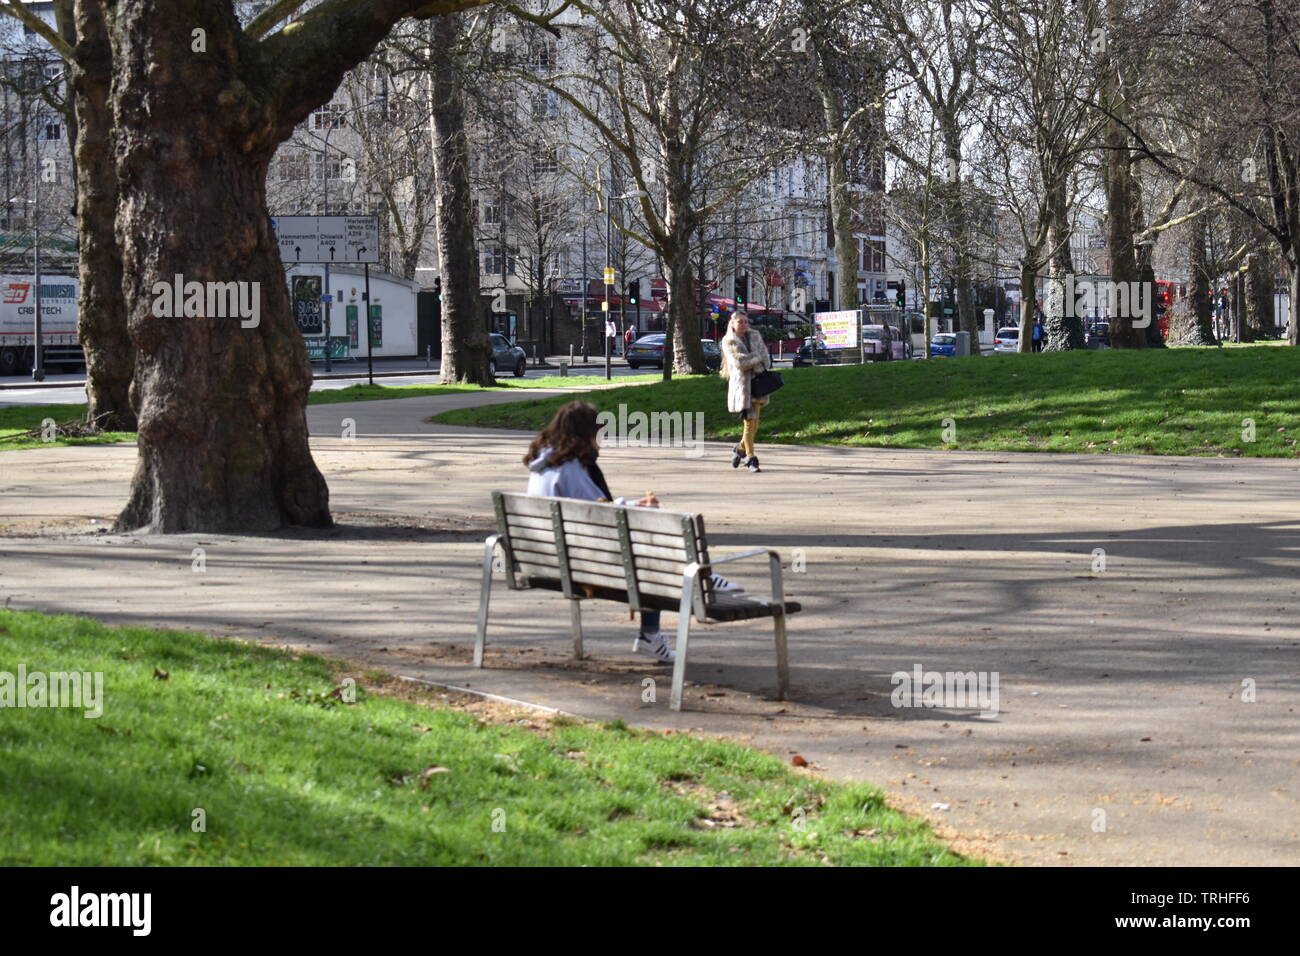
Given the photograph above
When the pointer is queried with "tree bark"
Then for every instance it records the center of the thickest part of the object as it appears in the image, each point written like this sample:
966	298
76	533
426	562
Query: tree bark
1191	322
1117	172
965	319
682	339
837	180
466	348
1259	294
222	424
1064	329
1028	279
101	316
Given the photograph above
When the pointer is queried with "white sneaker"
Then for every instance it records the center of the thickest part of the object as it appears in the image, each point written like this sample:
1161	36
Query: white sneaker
656	645
722	584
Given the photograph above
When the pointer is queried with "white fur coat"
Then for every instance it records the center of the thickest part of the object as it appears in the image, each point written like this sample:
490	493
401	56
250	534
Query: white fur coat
738	368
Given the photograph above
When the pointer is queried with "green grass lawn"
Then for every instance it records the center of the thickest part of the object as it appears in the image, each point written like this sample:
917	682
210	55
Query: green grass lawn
1185	401
286	773
14	421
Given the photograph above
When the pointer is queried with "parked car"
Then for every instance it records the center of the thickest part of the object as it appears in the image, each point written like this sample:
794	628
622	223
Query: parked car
1007	339
810	353
881	343
1097	335
712	354
647	350
943	343
507	356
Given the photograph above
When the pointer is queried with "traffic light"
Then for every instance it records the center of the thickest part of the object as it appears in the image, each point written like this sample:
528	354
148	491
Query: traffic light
633	291
437	288
901	299
742	289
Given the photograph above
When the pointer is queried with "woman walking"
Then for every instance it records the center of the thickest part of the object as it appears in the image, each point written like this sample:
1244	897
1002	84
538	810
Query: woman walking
744	355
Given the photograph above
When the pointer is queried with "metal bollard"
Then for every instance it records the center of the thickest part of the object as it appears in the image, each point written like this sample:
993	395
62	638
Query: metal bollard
564	369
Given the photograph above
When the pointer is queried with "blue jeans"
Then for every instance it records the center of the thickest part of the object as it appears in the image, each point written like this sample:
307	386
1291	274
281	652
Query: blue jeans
649	622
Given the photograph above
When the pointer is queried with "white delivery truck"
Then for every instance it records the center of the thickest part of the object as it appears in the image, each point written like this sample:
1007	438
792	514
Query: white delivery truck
59	294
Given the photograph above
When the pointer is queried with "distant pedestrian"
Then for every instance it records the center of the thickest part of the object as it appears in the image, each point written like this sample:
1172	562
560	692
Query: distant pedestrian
628	338
744	355
1039	333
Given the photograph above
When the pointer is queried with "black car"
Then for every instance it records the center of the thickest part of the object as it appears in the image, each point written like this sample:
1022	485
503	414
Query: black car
1097	335
647	350
507	356
813	354
712	354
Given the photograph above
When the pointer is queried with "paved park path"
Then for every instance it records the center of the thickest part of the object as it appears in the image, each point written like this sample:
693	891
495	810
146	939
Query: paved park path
1126	733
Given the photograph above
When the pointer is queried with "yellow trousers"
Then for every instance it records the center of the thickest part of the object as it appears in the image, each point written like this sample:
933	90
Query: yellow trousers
750	430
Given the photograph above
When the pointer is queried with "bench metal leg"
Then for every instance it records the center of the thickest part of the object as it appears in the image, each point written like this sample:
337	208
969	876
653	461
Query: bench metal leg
683	639
782	663
485	595
575	624
778	624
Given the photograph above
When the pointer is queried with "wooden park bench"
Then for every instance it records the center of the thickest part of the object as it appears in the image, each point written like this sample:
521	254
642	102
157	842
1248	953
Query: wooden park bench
642	557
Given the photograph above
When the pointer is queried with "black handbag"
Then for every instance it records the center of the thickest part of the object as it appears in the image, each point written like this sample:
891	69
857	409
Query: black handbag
765	383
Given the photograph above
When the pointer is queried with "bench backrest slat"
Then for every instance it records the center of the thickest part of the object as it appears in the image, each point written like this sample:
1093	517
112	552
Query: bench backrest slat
628	559
634	551
561	552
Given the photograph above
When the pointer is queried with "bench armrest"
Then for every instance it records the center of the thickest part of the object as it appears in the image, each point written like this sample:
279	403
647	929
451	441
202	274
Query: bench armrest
774	559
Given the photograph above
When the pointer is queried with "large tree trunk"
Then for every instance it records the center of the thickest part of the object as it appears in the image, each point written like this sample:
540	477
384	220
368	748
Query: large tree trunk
1259	294
846	247
466	348
1064	329
222	424
101	317
966	319
1191	322
682	350
1143	256
1293	328
1028	304
1117	173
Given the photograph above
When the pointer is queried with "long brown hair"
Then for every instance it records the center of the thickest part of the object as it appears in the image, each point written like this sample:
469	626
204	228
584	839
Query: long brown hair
570	434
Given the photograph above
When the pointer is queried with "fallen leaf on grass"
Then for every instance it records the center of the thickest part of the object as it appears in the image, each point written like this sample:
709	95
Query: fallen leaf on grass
429	773
798	761
160	674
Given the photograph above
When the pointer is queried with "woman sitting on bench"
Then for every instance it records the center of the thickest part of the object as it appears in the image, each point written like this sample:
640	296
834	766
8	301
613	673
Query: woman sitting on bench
562	464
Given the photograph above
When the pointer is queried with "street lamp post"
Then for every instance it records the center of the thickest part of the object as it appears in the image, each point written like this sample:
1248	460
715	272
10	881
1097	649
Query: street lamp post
325	211
608	231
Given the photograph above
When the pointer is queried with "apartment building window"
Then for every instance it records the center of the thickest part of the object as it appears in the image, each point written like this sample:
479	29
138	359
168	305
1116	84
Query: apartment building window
546	106
542	52
52	131
871	255
491	213
546	163
294	165
329	116
333	168
498	260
